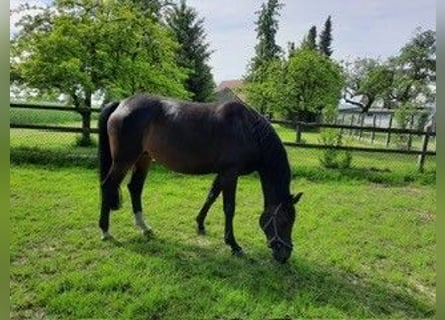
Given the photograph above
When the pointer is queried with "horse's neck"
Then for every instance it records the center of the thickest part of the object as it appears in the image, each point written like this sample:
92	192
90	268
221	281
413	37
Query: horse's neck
275	186
274	166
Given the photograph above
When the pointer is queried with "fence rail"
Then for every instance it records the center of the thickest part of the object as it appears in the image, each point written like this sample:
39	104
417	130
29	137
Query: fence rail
299	129
364	128
52	107
422	152
52	128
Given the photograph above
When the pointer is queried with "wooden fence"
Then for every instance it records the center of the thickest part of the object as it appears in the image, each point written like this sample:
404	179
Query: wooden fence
422	153
52	108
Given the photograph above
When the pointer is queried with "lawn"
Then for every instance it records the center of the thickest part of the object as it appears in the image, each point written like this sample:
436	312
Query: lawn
364	241
362	250
28	116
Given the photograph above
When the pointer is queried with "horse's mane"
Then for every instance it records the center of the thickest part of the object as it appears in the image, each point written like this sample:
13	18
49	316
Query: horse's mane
273	154
263	132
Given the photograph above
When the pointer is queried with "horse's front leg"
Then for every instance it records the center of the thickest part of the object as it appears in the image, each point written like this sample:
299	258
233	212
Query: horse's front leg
135	187
229	189
104	220
214	192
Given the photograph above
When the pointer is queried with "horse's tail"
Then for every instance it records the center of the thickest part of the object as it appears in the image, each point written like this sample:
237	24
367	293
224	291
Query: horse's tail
104	151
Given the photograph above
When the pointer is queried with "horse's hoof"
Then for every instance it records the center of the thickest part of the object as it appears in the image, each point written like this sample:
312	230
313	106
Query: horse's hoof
148	233
106	236
201	231
238	252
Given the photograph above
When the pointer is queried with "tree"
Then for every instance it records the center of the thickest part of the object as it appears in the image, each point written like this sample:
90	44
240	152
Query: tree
414	71
367	82
151	8
193	53
309	42
265	66
326	38
266	28
266	95
85	46
406	80
311	83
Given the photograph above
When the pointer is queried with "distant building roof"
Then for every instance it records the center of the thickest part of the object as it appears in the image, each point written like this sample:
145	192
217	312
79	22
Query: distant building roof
231	84
227	91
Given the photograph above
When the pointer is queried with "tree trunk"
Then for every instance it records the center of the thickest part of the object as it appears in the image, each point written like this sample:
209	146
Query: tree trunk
86	128
86	121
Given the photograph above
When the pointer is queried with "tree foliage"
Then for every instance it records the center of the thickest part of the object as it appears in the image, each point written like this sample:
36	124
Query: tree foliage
367	81
408	78
312	82
325	41
79	47
414	71
310	41
301	84
265	94
193	53
265	67
151	8
266	28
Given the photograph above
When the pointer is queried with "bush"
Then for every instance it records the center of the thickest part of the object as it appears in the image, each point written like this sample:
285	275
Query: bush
333	158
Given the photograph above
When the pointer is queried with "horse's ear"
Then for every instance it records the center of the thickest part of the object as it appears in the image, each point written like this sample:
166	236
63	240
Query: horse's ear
296	197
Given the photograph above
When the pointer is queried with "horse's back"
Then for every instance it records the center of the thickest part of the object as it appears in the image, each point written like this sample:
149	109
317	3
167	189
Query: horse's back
187	137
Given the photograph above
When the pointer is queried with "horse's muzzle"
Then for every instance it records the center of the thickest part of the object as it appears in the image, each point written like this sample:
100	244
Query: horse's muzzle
281	254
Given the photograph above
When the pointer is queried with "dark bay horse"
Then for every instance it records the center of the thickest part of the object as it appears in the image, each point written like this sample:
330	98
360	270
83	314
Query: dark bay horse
228	139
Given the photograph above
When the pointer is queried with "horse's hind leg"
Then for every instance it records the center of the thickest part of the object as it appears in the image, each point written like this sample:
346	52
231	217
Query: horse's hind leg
135	187
214	192
111	196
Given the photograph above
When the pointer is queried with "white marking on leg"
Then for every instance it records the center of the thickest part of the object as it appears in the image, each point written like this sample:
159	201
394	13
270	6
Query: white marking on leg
139	221
106	235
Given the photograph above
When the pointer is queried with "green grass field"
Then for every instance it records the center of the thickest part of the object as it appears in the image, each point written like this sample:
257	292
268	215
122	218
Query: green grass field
27	116
364	242
362	250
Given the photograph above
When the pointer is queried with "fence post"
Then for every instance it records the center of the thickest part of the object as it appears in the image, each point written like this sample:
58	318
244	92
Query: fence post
388	137
362	121
410	136
298	130
351	124
342	123
421	158
374	120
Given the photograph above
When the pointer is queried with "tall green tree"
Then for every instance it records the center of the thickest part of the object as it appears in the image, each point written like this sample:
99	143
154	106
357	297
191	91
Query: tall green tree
265	66
325	41
193	53
310	41
266	28
81	47
266	95
311	83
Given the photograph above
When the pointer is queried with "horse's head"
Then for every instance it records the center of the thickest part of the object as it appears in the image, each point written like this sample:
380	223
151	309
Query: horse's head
277	225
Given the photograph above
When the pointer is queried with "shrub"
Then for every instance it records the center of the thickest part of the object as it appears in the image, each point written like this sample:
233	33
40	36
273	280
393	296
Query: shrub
333	158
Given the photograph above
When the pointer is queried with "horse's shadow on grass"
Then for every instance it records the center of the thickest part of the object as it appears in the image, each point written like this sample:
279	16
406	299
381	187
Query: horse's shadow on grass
326	285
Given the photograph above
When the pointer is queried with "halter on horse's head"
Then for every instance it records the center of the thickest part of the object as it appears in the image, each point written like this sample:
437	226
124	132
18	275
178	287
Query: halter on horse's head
278	228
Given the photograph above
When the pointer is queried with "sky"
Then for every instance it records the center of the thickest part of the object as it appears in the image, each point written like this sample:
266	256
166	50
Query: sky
361	28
